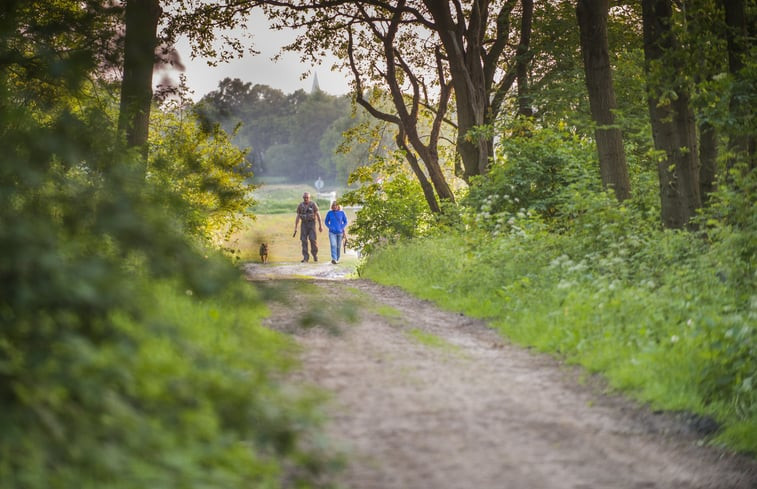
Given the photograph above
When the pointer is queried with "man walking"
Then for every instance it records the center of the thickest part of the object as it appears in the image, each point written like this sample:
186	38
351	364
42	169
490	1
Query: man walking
307	215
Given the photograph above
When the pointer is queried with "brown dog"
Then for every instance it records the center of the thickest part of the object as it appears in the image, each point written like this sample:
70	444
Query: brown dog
264	252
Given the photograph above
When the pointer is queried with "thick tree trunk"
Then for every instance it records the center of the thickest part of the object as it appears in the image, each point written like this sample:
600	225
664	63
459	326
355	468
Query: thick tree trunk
471	100
473	68
673	124
139	57
474	152
592	21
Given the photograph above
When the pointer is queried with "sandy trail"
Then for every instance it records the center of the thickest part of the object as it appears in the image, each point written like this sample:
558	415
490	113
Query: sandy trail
425	398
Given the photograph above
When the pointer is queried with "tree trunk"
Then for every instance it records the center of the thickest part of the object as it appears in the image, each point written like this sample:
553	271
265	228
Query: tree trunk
473	68
673	123
592	21
471	100
521	60
428	189
139	57
742	141
406	118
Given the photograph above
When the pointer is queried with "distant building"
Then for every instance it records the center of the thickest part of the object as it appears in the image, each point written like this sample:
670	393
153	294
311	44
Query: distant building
316	86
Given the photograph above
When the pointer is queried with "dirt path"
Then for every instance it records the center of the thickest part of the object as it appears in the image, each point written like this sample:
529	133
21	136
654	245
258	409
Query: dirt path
428	399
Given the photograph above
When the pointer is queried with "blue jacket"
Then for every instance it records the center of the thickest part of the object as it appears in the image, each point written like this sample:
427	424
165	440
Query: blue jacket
336	221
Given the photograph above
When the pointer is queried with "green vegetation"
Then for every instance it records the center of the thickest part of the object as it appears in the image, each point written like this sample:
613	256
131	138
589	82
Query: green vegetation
284	198
295	137
388	312
132	353
669	316
392	205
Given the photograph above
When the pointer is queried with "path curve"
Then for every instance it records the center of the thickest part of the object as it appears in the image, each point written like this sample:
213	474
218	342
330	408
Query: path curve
425	398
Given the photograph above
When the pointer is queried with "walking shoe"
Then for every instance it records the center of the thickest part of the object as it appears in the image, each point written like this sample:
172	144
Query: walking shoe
333	262
315	258
304	260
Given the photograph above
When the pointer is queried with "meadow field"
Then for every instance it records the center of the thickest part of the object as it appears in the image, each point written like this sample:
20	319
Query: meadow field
274	224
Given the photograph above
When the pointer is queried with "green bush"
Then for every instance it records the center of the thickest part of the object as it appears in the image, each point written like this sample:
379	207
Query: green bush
392	206
202	175
529	174
130	354
186	395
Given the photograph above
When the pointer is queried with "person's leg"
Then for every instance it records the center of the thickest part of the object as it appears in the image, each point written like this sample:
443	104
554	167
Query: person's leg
334	246
313	243
338	247
304	241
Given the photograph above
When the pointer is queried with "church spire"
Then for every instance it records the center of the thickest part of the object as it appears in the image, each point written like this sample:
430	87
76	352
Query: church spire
316	86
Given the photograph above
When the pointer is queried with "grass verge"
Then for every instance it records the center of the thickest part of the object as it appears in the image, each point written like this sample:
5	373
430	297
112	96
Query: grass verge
664	327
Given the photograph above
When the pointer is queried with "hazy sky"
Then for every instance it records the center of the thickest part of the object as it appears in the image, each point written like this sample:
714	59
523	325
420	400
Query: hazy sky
283	74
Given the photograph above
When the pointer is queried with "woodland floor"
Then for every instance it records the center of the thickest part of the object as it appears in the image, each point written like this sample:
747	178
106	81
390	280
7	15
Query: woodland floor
423	398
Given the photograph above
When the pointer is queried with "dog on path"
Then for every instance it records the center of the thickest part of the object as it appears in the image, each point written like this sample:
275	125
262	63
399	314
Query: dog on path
264	252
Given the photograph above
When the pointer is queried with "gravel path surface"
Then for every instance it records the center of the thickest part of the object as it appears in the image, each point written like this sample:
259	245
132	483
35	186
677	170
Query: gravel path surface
428	399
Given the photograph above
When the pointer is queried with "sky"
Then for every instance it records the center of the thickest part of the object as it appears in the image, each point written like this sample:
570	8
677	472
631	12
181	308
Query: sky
284	74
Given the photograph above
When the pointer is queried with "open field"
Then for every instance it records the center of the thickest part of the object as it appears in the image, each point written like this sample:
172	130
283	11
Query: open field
283	199
274	223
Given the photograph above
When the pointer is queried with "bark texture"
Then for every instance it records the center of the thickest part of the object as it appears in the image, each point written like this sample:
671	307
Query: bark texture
592	21
673	122
708	155
474	60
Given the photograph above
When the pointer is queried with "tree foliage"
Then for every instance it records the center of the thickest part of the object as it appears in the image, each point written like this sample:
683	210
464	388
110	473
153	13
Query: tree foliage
131	354
204	176
516	45
530	175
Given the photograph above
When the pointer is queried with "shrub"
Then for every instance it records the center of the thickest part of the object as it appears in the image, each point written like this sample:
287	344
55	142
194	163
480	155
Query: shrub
130	355
530	172
203	176
392	206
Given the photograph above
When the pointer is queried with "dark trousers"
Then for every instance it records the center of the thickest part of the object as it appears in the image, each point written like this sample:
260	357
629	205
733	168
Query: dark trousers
307	233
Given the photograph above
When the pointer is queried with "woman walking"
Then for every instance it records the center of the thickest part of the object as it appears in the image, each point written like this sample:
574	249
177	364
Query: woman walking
336	221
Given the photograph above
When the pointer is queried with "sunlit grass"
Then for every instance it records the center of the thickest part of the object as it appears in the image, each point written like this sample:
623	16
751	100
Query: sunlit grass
274	224
644	336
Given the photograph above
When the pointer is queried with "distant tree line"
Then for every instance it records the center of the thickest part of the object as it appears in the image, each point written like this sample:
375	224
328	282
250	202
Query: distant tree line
295	136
